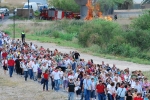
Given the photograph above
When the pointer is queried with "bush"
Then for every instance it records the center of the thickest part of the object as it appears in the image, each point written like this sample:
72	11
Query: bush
36	13
56	34
99	32
142	22
139	38
124	49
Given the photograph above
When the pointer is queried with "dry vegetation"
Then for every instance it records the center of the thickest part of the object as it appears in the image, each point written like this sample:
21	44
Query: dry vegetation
11	4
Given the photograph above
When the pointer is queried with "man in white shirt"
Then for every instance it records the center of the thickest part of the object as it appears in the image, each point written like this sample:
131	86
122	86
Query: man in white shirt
61	77
30	69
138	87
35	67
67	61
56	77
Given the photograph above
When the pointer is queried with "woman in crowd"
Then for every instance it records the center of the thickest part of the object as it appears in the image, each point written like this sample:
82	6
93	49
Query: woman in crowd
46	78
4	64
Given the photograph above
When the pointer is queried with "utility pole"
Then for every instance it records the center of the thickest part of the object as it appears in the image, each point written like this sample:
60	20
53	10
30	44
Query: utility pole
28	10
0	3
14	25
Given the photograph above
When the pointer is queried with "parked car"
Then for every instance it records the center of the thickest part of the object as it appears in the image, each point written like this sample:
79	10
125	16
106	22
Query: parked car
5	11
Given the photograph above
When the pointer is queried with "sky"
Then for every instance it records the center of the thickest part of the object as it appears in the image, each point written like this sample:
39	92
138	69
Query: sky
137	1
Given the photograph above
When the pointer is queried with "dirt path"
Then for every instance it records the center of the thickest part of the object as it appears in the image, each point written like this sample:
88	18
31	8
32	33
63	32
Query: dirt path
97	60
16	88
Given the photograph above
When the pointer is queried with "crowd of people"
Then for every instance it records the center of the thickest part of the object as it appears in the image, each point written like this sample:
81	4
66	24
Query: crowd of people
69	72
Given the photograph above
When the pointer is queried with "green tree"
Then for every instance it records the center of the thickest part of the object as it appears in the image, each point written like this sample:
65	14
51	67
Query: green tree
68	5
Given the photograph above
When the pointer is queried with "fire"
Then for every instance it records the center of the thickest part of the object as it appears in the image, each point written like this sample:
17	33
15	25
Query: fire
94	11
90	10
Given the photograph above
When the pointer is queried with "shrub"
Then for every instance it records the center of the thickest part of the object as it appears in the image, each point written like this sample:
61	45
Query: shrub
99	32
139	38
67	37
56	34
142	22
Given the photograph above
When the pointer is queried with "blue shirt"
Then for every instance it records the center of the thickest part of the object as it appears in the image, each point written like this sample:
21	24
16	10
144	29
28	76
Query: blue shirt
87	83
121	92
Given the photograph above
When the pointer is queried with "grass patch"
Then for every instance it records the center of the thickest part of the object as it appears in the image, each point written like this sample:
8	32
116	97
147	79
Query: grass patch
58	32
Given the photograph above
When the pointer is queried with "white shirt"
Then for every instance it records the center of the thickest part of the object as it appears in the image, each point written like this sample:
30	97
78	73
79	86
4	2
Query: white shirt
93	85
70	77
61	73
25	68
132	83
30	64
3	62
49	62
138	87
56	75
111	89
44	68
35	67
127	78
76	75
67	62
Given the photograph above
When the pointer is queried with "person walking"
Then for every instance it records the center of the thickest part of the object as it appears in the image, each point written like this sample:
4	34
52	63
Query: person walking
56	77
121	92
4	64
87	85
101	90
45	82
35	67
11	64
23	36
25	69
17	66
71	90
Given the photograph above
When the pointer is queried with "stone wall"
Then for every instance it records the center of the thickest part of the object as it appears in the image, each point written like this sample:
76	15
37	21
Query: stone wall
128	13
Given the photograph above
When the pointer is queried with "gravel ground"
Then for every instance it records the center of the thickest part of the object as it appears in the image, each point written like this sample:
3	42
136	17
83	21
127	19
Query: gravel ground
16	88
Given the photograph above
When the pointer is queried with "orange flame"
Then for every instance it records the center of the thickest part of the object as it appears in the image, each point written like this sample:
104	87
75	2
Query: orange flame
90	10
94	11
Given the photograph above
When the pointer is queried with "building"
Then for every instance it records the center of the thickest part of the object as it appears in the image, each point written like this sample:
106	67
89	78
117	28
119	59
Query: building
137	4
145	4
44	2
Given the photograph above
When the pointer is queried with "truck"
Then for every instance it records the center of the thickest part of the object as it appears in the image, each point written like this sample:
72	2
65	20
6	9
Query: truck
57	14
32	5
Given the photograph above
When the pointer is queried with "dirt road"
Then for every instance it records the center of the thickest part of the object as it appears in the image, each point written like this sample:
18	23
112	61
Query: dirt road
16	88
97	60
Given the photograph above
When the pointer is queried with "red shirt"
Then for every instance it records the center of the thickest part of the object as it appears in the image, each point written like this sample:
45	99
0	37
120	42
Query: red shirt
11	62
138	98
4	54
100	88
45	76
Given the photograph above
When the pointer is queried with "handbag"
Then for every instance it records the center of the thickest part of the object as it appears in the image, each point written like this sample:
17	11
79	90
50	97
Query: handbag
42	80
118	96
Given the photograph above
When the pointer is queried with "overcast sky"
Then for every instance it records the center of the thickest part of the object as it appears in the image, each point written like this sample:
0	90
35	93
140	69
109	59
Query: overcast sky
137	1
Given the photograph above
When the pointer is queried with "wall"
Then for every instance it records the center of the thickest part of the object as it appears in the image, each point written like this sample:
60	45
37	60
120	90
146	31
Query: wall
24	12
128	13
